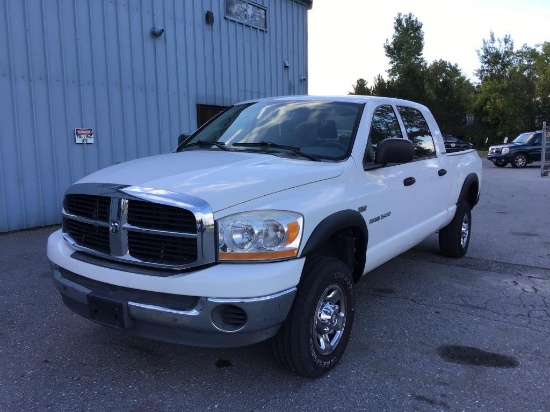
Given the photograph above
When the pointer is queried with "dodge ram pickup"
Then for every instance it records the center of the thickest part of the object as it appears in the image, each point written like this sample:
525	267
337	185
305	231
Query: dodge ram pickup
261	222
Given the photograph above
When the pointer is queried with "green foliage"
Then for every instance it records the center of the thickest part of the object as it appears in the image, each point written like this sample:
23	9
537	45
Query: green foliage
496	57
406	48
450	95
361	88
512	96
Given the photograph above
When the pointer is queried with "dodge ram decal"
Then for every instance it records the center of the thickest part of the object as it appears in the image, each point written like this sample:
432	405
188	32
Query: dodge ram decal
377	218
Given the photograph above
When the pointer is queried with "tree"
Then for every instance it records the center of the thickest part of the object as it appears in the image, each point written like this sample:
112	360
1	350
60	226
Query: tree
360	88
496	57
541	104
449	95
382	87
407	45
514	94
407	66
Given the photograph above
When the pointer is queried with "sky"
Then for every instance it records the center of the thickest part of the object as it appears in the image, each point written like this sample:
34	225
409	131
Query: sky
346	37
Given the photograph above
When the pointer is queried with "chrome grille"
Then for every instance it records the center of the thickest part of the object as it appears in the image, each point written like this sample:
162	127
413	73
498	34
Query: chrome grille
163	249
88	235
160	217
169	232
89	206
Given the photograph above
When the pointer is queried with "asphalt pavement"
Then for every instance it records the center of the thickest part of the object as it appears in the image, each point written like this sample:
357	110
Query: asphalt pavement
430	334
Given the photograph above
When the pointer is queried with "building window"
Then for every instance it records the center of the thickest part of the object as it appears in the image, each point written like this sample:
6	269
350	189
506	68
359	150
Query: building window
206	112
246	12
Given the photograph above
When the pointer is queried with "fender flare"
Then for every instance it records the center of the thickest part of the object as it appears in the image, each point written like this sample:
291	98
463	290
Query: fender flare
334	223
472	178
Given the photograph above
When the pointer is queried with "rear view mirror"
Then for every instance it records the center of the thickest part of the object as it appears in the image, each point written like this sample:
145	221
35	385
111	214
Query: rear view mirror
394	150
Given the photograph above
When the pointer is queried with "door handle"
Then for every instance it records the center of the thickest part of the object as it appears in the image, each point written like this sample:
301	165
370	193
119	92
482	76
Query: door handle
409	181
441	172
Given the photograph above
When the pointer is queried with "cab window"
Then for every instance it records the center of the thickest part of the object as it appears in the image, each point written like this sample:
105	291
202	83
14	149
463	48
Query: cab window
384	125
418	132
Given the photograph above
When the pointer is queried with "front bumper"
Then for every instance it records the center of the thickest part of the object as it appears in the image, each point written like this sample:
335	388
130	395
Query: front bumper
497	157
190	320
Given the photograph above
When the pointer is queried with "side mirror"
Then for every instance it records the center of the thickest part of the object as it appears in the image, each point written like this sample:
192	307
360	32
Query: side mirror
394	150
182	137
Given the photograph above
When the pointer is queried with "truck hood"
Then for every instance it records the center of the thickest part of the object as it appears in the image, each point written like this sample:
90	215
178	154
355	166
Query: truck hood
223	179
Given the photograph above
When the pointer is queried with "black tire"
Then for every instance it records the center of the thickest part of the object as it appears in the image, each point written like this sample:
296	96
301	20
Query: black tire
454	238
500	163
310	344
520	160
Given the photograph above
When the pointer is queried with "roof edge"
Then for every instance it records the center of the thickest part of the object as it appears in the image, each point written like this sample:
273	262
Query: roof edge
308	3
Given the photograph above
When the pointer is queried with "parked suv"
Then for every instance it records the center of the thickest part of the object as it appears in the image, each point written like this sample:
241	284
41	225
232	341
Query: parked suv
524	149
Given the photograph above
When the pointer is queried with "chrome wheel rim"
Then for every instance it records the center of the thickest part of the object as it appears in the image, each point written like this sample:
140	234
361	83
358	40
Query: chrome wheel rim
330	319
520	161
465	231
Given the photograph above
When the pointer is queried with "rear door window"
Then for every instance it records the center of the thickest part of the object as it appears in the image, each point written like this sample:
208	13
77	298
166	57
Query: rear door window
418	132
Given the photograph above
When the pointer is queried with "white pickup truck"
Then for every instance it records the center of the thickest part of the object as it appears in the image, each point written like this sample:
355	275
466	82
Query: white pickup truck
260	223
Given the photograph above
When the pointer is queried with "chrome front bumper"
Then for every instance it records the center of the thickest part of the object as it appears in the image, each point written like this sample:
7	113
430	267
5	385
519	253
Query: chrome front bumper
189	320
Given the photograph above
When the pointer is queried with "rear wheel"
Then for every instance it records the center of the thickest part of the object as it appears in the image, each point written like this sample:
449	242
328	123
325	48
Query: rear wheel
315	334
454	238
520	160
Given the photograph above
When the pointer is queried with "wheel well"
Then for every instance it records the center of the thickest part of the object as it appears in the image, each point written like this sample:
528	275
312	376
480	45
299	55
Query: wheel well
472	194
523	153
470	190
348	245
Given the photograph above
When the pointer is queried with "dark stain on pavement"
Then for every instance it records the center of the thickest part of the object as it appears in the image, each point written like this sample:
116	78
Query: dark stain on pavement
464	355
429	401
525	234
223	363
384	291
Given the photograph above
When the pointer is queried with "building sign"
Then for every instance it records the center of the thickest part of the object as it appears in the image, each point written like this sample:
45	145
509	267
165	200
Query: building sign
246	12
83	136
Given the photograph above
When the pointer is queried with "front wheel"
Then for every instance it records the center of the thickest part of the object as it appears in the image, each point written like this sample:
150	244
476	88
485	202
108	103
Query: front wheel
455	237
520	160
315	334
500	163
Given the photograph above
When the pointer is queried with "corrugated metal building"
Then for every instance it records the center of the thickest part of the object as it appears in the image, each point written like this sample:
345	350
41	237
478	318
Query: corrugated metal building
132	75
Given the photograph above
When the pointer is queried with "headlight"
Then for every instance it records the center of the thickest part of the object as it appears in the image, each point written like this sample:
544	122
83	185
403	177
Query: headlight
505	150
259	235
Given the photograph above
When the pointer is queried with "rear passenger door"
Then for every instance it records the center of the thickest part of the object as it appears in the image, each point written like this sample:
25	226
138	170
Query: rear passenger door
431	172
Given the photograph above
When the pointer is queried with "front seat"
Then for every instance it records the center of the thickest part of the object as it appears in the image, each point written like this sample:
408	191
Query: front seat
327	131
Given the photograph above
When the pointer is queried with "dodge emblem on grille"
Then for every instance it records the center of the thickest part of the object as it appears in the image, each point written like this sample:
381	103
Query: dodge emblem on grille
113	227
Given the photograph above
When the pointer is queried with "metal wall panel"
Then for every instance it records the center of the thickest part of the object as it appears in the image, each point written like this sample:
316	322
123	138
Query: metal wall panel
67	64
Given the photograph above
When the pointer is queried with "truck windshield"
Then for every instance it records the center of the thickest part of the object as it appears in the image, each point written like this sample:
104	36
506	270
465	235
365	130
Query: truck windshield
522	138
312	129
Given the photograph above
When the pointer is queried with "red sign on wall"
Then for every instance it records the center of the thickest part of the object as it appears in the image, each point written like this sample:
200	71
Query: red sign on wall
83	136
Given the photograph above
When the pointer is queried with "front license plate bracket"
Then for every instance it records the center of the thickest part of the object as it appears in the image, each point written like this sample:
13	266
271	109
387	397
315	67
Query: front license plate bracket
108	311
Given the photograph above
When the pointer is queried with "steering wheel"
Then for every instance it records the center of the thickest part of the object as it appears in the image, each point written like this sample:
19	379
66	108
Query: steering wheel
335	144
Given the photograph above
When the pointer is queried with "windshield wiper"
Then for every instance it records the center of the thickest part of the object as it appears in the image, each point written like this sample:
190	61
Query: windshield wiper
271	145
204	143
